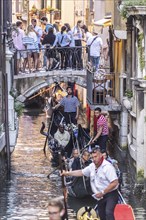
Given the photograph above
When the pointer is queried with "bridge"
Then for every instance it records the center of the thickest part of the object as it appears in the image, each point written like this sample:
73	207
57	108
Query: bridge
100	86
28	84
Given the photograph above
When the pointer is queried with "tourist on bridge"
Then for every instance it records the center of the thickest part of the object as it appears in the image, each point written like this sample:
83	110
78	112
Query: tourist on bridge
17	36
87	35
39	32
95	43
44	20
62	41
101	136
71	107
71	45
31	43
78	36
48	41
104	183
56	209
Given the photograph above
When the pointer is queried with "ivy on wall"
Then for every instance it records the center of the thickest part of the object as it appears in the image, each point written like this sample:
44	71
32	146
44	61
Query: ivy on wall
141	51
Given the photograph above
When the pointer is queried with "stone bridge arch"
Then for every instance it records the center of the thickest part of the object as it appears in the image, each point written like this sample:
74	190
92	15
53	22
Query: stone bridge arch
28	85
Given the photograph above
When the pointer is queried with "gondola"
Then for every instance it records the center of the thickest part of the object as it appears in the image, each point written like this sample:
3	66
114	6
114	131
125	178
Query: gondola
79	192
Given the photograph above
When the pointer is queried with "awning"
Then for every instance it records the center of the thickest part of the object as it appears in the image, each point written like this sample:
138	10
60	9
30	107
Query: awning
103	22
120	34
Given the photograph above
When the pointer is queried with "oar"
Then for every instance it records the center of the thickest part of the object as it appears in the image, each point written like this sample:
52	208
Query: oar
121	197
55	169
40	93
48	132
63	185
87	145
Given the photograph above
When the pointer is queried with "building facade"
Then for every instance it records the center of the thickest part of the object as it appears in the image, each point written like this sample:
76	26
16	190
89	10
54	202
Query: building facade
56	10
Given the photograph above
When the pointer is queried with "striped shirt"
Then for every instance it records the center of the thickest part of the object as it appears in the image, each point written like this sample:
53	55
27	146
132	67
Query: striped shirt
102	122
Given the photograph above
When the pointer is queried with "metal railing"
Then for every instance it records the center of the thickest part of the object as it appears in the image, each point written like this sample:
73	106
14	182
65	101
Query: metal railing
48	59
100	86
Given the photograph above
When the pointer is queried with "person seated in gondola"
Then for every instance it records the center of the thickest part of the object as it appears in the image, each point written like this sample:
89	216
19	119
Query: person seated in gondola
78	186
75	154
63	138
82	162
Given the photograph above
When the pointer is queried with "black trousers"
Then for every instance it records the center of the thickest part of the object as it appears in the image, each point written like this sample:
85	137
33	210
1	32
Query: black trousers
77	55
70	117
101	141
107	205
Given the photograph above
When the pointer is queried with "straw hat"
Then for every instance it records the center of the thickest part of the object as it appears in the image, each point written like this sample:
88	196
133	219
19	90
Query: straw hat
85	212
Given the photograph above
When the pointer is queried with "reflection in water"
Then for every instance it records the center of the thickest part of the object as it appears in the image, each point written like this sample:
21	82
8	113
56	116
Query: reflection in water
26	195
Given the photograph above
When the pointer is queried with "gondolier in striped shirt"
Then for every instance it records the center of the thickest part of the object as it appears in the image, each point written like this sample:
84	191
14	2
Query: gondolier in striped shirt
101	136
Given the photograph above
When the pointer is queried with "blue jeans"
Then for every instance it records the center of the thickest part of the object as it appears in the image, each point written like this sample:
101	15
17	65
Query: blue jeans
95	61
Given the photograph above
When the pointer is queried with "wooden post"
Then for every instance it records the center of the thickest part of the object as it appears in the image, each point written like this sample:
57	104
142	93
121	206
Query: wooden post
92	123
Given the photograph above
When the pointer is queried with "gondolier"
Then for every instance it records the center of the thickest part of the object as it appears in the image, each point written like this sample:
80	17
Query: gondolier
104	183
71	107
102	130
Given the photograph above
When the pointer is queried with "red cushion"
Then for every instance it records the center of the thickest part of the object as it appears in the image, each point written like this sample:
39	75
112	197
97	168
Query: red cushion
123	212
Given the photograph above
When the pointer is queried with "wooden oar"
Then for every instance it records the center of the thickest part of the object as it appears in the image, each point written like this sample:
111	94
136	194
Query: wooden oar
63	185
48	133
40	93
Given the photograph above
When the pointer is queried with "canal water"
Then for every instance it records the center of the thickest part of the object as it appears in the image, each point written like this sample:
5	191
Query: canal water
26	194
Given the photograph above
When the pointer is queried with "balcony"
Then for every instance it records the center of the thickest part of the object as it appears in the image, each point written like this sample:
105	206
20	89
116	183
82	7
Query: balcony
101	89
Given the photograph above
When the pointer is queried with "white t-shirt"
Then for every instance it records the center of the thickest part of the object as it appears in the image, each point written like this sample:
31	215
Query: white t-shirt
18	39
100	177
62	138
96	46
88	35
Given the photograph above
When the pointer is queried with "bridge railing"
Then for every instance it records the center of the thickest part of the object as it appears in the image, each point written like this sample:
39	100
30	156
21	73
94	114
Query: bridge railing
48	59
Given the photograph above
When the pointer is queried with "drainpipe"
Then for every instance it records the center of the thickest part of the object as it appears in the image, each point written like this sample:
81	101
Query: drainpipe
145	109
129	51
6	17
123	116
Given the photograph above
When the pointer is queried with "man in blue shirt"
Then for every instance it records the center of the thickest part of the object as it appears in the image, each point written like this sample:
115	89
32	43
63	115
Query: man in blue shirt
71	107
44	20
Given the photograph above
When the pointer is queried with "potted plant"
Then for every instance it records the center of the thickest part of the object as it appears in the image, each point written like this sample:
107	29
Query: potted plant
127	99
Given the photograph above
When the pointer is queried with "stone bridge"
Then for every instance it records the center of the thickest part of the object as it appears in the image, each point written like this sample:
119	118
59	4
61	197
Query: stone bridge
28	84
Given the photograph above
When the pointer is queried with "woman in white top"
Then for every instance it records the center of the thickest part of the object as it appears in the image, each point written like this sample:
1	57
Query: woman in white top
30	41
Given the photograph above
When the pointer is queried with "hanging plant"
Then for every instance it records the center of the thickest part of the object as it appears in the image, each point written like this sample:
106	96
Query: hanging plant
141	51
19	108
129	93
33	10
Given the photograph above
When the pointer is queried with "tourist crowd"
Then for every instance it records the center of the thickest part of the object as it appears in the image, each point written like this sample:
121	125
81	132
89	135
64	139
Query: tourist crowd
46	46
